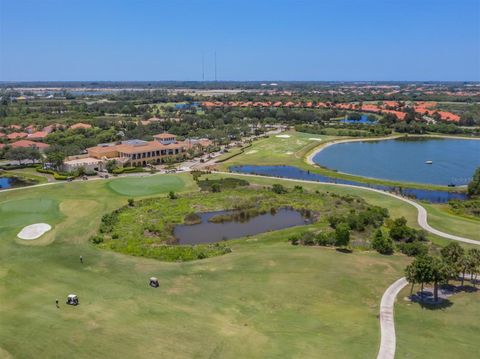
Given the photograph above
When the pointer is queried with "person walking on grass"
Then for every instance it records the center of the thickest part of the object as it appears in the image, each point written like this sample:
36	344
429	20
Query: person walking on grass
56	303
81	259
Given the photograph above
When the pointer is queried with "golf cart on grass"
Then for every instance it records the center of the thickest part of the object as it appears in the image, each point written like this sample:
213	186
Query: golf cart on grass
154	282
72	299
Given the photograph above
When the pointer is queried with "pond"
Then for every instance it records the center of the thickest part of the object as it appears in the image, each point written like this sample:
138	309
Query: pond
364	119
5	182
11	182
209	232
453	161
297	173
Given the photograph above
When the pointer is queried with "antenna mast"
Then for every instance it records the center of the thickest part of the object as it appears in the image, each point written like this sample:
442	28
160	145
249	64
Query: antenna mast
215	60
203	67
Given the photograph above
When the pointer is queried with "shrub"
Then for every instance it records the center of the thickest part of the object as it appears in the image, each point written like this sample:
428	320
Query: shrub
382	243
413	249
131	202
172	195
60	177
342	235
278	189
96	239
294	239
325	238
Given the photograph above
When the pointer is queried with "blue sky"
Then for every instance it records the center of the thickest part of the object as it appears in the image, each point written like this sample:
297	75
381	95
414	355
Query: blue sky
255	40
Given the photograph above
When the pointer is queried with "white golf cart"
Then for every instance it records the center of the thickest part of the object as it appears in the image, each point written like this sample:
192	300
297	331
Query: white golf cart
154	282
72	299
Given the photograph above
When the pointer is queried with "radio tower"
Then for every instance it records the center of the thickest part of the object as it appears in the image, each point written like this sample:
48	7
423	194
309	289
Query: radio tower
215	62
203	67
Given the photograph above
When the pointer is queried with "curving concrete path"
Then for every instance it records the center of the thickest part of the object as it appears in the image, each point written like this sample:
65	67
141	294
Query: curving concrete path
422	212
387	324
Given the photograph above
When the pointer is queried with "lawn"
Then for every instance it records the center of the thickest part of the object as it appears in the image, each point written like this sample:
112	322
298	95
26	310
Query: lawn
443	333
266	299
147	185
278	150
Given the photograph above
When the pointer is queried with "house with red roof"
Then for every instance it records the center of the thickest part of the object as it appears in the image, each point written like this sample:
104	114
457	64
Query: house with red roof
50	128
27	143
16	135
30	129
80	125
39	135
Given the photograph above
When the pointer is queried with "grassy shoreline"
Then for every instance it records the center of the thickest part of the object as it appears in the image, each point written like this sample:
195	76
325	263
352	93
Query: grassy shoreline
303	154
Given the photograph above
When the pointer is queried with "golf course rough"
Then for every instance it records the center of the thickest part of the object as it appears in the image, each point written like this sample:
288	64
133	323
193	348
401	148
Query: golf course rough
268	299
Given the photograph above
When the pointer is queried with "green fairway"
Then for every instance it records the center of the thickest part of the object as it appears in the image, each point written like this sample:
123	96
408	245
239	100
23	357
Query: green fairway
266	299
443	333
145	186
28	211
449	222
278	150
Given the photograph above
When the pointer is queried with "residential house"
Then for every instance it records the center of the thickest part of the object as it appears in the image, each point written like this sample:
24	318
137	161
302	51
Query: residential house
16	135
38	136
26	143
80	125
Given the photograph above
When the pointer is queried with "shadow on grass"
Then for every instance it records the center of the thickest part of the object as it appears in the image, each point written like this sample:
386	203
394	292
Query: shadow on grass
427	300
343	250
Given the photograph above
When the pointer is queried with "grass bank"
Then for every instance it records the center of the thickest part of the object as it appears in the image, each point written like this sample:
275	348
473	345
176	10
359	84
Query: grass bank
297	147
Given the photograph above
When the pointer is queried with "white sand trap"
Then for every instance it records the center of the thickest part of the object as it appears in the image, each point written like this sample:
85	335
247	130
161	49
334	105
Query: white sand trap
283	136
315	139
34	231
251	152
289	153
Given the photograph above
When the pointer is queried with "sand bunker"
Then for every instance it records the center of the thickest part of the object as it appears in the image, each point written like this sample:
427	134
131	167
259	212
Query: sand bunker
314	139
283	136
34	231
289	153
251	152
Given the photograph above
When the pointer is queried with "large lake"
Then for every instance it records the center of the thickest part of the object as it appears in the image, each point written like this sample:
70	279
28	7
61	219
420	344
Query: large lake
454	160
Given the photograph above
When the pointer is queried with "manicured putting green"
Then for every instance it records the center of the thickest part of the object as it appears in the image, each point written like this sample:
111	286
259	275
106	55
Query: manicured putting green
143	186
28	211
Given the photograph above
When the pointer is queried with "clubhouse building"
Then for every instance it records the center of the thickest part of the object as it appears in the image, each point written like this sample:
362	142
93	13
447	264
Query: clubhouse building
135	152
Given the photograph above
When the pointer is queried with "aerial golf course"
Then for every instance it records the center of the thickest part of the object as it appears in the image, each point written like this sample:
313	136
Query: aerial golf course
264	299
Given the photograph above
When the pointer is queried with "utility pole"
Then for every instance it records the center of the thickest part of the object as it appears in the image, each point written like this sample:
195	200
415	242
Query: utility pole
215	61
203	67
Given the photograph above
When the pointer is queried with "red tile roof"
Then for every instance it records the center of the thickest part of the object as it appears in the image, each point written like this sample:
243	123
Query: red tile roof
164	135
39	135
15	135
27	143
80	125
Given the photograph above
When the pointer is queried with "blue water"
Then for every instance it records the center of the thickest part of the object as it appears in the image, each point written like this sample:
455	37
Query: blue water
454	160
364	120
296	173
5	182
